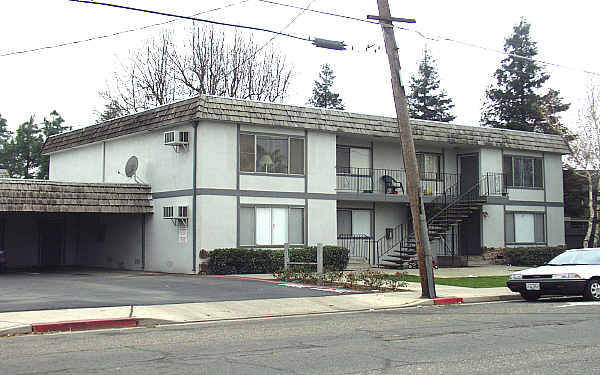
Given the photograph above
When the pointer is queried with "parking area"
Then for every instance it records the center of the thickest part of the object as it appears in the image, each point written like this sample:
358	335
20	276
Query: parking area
79	287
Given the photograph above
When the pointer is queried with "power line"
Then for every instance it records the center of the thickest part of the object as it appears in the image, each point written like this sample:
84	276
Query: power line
438	38
114	34
192	19
273	38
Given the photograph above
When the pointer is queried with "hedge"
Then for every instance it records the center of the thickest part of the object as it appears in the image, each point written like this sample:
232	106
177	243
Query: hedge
531	256
240	261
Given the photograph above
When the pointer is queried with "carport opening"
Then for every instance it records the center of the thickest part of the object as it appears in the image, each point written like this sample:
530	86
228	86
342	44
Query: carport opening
55	241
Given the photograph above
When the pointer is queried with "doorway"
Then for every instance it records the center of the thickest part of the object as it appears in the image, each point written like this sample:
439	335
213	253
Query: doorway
469	235
469	171
51	243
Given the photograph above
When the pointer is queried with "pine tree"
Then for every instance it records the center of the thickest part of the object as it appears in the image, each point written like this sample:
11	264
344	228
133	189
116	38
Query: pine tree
426	100
5	136
514	101
24	150
322	95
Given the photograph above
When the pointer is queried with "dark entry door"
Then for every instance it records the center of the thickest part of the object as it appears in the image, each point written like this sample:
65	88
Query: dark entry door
51	243
469	235
469	171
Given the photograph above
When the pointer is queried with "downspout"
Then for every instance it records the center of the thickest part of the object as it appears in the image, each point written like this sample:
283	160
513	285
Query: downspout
194	218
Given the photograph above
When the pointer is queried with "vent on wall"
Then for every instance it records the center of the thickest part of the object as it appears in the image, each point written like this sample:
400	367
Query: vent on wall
178	215
178	140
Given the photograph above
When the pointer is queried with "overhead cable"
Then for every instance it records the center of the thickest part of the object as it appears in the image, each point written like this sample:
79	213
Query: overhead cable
115	33
438	38
193	19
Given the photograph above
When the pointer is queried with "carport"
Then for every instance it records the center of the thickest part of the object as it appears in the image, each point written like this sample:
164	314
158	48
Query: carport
48	223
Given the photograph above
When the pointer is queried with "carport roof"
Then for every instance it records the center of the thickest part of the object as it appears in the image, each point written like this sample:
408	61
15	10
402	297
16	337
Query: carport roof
52	196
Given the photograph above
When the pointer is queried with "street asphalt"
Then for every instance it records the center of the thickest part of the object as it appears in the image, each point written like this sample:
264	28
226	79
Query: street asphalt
554	336
83	288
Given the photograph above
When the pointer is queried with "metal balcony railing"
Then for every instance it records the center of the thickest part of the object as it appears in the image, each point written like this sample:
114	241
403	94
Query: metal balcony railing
389	181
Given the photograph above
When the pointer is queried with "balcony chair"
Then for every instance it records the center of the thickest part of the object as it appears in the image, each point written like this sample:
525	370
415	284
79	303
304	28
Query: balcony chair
391	184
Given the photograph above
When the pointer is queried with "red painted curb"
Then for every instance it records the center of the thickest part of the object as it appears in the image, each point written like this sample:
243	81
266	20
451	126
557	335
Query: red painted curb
447	301
82	325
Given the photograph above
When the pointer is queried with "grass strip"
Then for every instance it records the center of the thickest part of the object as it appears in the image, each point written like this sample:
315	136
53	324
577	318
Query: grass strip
467	282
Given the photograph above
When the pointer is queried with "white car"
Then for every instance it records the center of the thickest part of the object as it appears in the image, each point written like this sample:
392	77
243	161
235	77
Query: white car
574	272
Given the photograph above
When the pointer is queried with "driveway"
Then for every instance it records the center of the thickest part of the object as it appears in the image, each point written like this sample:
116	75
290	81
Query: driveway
79	288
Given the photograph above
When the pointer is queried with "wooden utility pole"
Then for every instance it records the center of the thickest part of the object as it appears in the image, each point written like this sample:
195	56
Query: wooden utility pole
413	181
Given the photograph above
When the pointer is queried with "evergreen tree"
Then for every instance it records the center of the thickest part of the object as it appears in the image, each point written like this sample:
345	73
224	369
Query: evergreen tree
514	101
322	95
5	136
426	100
24	150
50	127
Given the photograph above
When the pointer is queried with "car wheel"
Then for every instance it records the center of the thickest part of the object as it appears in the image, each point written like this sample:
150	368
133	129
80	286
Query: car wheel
592	290
531	296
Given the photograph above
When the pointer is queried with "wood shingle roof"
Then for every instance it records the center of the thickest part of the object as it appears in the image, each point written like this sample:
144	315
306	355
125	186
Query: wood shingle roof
51	196
231	110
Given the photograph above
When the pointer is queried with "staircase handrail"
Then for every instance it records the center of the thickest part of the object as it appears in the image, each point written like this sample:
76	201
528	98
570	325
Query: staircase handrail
446	193
457	200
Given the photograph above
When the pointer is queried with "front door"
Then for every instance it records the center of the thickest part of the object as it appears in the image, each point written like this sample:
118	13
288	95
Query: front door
469	239
51	243
469	172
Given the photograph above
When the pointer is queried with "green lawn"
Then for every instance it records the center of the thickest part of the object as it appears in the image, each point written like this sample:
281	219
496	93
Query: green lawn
469	282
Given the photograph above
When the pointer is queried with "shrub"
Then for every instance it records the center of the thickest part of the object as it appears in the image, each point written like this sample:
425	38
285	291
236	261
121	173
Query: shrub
531	256
235	261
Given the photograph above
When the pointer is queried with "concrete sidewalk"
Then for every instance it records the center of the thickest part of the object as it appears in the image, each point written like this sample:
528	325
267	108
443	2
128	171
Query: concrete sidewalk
22	322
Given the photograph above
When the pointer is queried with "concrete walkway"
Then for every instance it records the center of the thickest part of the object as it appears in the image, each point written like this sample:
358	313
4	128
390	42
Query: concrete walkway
21	322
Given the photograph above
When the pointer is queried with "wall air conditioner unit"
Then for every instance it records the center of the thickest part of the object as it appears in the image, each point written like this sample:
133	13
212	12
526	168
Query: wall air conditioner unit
178	140
182	212
178	215
168	212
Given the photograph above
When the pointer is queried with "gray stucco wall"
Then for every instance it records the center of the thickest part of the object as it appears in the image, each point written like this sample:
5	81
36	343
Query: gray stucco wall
217	155
164	249
553	177
492	226
82	164
217	222
556	226
322	222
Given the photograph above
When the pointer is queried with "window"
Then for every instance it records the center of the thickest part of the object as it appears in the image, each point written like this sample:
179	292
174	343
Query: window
429	166
524	228
523	172
271	154
354	222
353	160
265	226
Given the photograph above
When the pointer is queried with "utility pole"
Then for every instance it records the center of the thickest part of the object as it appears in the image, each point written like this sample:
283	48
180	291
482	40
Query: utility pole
413	181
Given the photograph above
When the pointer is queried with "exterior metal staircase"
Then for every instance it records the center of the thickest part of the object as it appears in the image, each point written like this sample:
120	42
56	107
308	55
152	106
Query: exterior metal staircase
397	248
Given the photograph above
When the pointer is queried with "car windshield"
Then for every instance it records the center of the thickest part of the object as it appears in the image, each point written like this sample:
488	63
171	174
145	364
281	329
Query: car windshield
576	257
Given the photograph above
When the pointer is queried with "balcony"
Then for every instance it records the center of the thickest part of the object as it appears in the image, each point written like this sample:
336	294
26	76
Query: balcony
391	182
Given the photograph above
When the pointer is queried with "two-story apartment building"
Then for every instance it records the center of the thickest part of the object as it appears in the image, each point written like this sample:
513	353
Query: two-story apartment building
234	173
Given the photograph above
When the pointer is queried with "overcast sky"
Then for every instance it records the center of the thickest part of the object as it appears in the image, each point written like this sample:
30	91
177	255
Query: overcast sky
68	79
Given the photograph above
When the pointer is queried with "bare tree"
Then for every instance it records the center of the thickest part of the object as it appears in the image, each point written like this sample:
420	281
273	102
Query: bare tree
584	156
146	80
212	64
207	63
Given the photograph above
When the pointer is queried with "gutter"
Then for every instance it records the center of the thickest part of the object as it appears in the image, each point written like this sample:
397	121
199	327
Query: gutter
194	194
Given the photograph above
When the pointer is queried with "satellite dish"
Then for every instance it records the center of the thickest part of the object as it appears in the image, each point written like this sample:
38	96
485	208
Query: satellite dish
131	167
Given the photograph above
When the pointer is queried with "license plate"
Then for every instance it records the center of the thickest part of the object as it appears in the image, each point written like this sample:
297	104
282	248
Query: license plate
532	286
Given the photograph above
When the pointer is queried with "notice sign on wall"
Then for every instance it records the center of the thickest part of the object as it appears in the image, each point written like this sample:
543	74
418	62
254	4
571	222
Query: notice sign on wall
183	234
